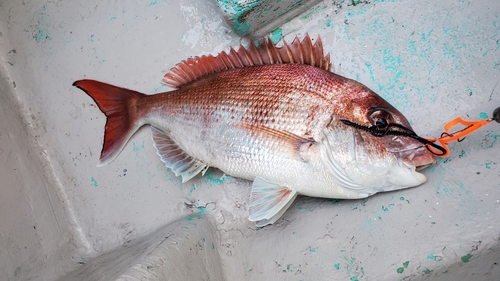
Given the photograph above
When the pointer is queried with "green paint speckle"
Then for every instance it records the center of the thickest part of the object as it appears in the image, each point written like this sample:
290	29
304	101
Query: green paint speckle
335	201
94	182
43	27
42	35
136	147
462	154
402	198
213	180
489	140
466	258
401	269
312	250
160	87
431	257
411	46
337	266
427	271
483	115
488	164
355	278
313	11
276	35
459	184
201	211
356	2
239	23
329	23
370	70
193	188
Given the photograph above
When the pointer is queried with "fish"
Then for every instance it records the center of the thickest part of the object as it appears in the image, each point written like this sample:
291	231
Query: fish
271	115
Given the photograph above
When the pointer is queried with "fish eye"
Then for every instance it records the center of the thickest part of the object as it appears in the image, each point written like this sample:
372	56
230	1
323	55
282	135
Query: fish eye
381	123
380	118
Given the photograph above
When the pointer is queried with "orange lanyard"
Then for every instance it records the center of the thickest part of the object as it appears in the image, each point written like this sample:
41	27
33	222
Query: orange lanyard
447	137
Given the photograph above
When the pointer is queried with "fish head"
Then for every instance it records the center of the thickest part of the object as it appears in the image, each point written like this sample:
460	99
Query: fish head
390	162
408	150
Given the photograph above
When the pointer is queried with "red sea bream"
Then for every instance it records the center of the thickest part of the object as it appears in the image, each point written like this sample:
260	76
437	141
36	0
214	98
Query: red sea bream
270	115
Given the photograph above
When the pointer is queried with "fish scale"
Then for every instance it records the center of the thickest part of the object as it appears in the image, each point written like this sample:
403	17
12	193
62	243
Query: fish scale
288	105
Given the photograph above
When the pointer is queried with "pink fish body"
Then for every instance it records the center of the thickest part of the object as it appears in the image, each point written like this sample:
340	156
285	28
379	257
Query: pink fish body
270	115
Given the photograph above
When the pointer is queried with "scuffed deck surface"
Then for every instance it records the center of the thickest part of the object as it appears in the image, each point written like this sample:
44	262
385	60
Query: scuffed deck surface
432	60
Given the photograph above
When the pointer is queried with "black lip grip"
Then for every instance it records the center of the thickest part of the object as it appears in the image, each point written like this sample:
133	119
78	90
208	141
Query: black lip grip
399	130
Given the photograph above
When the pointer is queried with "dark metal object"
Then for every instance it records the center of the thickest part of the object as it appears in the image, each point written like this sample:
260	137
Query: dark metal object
496	115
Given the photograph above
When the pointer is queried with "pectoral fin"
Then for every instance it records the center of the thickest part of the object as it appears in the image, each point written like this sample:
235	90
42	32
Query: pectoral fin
268	201
174	157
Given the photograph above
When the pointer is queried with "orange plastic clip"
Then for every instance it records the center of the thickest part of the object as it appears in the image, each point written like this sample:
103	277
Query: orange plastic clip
447	137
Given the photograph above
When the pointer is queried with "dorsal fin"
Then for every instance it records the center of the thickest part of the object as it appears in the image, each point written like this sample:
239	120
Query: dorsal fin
267	53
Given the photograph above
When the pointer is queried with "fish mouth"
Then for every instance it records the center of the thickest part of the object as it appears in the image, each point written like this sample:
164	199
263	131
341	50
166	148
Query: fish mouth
411	152
419	157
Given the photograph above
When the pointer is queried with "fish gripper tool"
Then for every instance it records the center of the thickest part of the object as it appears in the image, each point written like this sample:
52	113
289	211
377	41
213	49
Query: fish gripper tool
470	127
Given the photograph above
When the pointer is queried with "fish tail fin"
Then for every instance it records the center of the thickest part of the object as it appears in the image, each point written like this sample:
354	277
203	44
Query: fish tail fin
119	106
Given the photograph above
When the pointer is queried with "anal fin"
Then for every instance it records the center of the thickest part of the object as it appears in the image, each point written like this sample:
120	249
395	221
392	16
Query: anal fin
269	201
174	157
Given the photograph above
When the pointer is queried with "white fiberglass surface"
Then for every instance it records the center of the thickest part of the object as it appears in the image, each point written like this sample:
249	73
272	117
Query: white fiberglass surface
64	218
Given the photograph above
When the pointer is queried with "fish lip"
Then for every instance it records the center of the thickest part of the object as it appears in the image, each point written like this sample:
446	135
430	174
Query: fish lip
422	167
412	153
419	157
